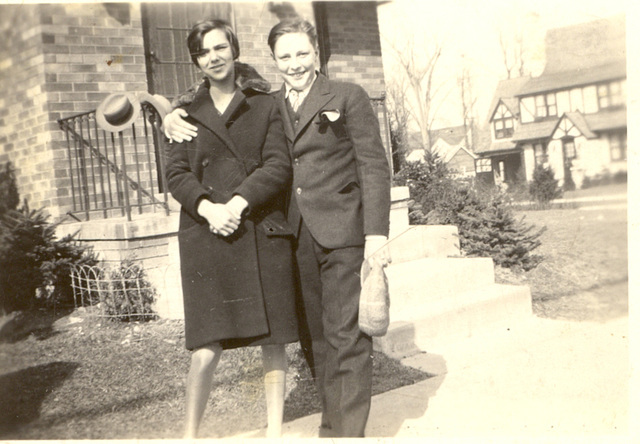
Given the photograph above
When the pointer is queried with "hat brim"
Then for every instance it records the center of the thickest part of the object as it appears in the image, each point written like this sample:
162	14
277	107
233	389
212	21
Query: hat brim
160	103
105	125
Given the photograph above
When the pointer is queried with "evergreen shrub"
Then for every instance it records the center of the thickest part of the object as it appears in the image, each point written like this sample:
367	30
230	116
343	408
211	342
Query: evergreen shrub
35	266
544	186
486	224
129	296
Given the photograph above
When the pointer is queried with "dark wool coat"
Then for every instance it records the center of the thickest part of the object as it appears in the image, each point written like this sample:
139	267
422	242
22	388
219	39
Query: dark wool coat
238	290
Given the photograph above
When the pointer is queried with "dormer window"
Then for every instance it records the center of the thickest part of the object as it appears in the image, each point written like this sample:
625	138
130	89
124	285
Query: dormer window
503	123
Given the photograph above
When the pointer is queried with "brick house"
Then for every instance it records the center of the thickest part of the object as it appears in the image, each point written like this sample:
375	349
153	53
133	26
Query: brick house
59	61
572	117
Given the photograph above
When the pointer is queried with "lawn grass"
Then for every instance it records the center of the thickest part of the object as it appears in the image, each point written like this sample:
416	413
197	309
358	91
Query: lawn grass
82	378
584	273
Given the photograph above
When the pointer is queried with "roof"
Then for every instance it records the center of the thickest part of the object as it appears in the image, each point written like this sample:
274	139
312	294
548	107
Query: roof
580	123
576	55
452	135
507	91
588	124
498	146
416	155
414	141
451	154
608	120
585	45
535	130
577	77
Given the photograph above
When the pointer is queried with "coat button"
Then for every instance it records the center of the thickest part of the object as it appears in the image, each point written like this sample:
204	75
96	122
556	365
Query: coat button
298	190
296	161
205	162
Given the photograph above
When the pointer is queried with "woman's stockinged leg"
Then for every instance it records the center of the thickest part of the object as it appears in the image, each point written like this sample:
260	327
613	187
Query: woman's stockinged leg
274	361
203	364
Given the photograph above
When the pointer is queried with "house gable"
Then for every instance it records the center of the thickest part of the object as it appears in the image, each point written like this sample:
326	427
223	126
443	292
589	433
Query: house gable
502	122
572	125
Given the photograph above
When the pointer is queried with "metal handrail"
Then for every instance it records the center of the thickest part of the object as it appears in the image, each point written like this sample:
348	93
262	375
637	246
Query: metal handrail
99	162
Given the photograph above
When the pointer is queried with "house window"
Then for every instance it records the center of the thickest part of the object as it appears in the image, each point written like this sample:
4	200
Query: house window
546	105
503	123
541	152
503	127
483	165
569	150
610	95
618	146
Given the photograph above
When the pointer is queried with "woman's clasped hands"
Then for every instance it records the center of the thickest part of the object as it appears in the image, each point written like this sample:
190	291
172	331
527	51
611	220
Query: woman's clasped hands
223	219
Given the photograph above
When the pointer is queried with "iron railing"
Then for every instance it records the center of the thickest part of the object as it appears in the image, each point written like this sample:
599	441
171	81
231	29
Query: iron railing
115	174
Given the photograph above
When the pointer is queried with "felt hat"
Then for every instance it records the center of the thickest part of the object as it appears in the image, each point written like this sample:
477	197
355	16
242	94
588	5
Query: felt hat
160	103
118	111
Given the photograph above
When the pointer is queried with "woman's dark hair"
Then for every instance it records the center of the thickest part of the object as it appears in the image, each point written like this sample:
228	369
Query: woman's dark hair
292	26
196	35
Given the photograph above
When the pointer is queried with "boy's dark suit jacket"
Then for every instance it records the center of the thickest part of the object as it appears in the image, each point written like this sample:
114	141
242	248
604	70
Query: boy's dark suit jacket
340	170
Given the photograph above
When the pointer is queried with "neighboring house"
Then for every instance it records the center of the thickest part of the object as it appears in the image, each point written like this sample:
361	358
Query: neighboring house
59	61
450	144
572	117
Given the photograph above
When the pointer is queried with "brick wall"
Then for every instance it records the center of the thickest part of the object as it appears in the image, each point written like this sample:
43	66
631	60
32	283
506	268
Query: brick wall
353	41
253	23
24	112
58	60
354	44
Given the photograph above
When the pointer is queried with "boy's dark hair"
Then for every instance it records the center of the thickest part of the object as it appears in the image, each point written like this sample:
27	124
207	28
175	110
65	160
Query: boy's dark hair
291	26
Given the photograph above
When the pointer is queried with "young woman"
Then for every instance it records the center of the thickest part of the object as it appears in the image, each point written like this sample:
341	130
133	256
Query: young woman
235	251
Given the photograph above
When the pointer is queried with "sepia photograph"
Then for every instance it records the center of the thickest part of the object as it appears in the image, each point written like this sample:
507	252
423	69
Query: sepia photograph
390	220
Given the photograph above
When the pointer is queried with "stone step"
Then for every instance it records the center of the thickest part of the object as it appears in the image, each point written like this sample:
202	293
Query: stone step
414	283
420	241
434	323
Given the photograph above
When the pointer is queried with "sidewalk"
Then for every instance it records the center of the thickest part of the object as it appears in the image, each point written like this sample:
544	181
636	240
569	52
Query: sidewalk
556	380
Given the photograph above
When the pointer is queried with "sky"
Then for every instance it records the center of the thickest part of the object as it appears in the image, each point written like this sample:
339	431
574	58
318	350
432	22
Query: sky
468	32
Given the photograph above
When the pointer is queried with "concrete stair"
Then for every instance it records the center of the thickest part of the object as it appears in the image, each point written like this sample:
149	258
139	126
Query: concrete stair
438	297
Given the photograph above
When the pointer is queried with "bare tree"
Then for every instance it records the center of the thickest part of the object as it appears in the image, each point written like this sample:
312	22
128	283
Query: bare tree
399	119
513	53
468	101
418	68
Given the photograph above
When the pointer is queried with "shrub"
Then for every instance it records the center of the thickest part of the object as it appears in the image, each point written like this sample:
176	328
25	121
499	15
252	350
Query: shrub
486	224
544	186
130	295
9	197
35	266
428	183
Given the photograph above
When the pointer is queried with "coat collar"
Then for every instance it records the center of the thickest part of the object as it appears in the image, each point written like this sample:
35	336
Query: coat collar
203	111
319	95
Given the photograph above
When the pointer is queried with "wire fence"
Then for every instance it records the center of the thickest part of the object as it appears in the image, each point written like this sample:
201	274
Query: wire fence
121	292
